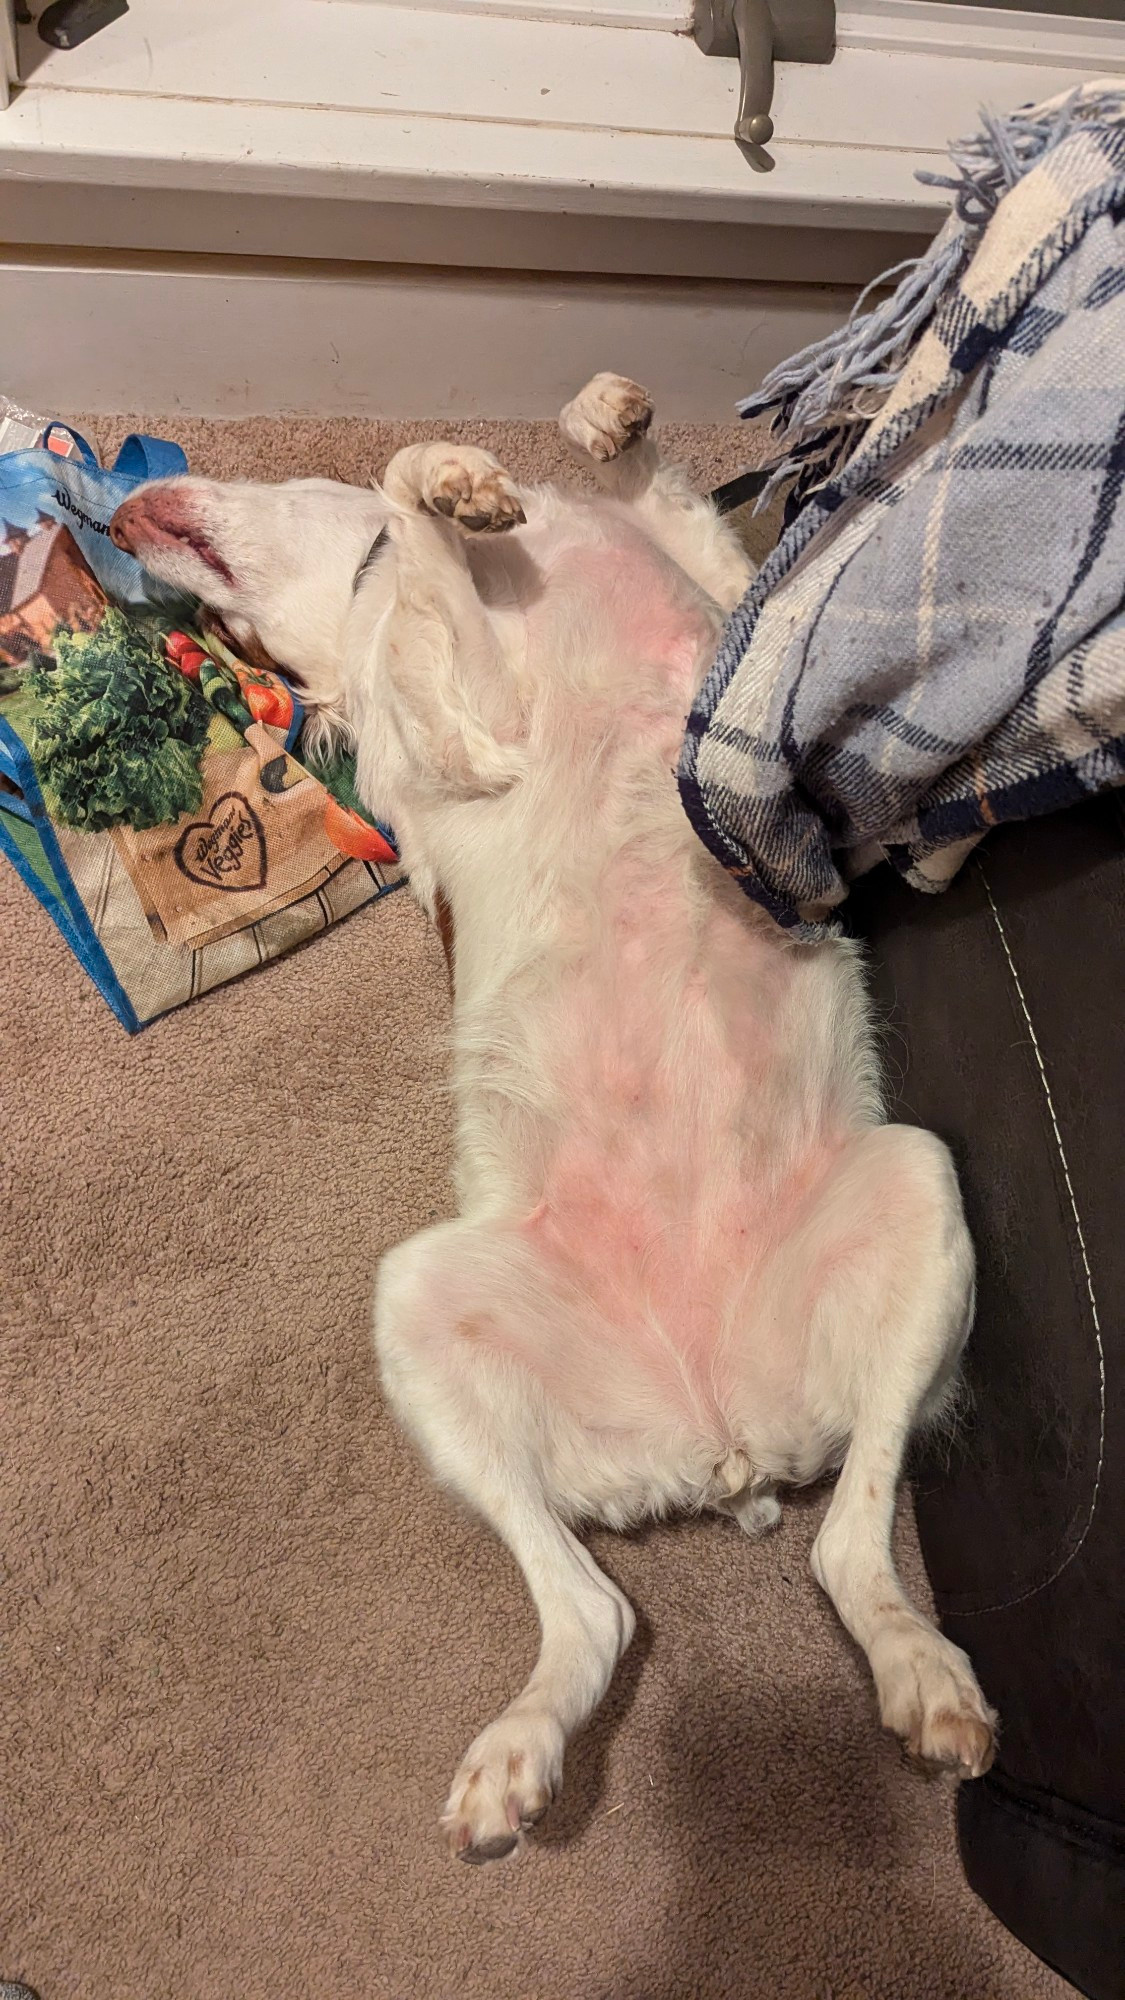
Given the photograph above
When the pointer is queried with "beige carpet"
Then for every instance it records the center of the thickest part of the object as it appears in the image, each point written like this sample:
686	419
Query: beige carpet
244	1641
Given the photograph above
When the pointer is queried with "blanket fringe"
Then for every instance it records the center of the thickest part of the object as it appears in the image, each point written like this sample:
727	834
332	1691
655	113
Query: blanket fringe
825	396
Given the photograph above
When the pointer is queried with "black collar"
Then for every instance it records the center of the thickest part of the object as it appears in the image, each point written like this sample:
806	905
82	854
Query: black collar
370	558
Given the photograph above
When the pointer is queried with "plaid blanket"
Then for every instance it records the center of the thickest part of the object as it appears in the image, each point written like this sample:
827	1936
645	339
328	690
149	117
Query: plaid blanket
937	643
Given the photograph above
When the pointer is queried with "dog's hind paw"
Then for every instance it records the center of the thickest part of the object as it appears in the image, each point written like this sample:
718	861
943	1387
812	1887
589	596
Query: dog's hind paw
928	1694
505	1784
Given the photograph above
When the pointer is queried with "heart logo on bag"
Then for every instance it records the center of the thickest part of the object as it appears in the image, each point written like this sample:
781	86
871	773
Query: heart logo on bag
227	850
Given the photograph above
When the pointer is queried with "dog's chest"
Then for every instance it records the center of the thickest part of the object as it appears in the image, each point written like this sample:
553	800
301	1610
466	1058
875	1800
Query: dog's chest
615	607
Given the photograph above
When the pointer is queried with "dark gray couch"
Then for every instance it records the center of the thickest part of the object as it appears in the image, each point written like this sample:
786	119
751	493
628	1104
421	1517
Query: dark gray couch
1005	1000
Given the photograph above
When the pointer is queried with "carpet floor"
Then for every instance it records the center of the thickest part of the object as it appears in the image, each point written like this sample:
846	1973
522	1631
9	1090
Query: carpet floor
245	1641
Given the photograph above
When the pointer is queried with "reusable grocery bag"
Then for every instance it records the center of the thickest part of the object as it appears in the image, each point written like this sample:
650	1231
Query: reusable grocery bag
152	792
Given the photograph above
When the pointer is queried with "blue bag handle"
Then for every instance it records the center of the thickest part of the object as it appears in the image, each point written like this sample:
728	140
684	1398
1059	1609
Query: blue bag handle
86	451
140	456
143	457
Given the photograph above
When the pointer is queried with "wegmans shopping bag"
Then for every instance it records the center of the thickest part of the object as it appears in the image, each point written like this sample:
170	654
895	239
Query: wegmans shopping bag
152	793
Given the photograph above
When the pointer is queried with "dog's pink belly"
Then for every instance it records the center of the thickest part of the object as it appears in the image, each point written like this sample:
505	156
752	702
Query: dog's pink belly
670	1196
675	1278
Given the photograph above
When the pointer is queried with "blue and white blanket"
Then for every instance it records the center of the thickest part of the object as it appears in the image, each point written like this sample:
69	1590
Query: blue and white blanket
937	643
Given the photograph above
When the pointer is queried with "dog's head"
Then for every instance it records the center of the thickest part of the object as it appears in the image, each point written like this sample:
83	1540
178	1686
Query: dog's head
278	564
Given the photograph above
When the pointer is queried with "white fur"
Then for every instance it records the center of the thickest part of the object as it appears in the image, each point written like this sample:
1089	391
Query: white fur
692	1263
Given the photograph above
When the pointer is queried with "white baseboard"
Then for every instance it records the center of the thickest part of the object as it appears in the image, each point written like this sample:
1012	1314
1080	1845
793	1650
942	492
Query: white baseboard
176	222
218	338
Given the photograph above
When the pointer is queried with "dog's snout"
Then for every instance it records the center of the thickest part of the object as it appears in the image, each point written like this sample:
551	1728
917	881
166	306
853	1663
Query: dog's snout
168	519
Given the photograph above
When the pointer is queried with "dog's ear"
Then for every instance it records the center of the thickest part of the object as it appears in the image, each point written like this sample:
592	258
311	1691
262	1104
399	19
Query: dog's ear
248	648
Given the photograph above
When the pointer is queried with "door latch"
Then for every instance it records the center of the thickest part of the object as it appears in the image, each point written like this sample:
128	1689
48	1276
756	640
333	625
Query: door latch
760	33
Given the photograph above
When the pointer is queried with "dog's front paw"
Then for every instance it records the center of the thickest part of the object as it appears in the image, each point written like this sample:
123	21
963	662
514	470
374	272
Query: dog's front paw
466	485
606	417
505	1784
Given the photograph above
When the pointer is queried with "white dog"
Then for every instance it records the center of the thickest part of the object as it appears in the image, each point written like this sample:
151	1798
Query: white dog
692	1263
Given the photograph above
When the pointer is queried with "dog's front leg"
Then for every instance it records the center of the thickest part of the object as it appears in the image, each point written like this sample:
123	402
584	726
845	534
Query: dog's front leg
608	427
459	1313
456	699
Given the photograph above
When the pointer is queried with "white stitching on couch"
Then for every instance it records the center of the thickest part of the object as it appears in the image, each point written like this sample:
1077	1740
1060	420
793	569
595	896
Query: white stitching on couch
981	1610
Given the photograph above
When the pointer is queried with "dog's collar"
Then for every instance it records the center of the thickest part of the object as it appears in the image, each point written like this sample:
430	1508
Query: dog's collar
370	558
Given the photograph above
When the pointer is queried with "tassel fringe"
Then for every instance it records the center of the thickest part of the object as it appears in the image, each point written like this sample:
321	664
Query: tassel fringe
824	397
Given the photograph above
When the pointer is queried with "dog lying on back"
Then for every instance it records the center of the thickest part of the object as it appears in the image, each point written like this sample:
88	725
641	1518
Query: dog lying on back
692	1264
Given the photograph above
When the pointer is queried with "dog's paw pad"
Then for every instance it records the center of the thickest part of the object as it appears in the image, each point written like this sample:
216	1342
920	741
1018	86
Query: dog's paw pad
473	490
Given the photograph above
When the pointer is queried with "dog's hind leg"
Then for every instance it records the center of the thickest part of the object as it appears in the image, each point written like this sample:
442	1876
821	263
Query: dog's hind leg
608	428
891	1258
446	1303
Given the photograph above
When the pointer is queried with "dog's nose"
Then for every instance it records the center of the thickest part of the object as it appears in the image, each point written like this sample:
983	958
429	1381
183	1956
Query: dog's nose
122	525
